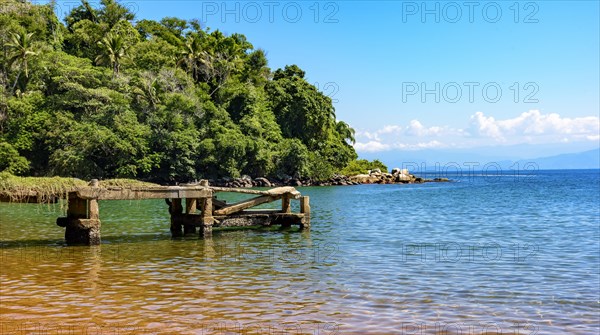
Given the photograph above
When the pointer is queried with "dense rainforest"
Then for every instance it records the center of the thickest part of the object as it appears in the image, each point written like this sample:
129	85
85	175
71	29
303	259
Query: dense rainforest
104	95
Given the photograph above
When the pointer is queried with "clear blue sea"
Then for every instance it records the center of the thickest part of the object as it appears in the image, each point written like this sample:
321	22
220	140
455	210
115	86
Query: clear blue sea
485	254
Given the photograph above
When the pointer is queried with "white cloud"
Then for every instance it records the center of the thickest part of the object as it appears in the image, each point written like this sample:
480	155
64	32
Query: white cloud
531	127
535	123
371	146
593	137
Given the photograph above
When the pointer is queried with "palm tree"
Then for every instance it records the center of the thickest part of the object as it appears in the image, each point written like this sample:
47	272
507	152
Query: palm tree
192	56
113	50
20	50
346	131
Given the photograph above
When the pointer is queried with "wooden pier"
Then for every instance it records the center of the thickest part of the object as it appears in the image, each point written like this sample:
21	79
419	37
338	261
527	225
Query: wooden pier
190	207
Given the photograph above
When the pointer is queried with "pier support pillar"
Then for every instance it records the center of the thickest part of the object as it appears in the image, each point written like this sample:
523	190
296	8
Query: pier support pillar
175	210
82	224
286	206
305	209
190	208
207	217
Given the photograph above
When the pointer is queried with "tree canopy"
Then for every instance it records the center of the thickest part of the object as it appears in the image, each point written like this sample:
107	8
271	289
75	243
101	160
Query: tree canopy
104	96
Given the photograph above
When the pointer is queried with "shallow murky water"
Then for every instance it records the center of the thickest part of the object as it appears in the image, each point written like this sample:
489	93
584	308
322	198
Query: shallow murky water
501	255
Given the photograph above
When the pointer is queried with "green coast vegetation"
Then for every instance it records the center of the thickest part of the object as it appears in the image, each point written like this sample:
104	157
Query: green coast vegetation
361	166
107	95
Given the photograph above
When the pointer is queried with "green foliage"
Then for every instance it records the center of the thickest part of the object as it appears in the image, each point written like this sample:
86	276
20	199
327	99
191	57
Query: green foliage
293	158
301	110
104	97
362	166
11	161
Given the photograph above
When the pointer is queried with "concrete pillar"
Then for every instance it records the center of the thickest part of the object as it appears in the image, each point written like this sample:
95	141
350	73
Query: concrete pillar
82	224
83	232
77	207
207	217
190	208
305	209
286	205
93	209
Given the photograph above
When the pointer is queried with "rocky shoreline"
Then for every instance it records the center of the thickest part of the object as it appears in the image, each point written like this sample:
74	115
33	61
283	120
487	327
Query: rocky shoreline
398	176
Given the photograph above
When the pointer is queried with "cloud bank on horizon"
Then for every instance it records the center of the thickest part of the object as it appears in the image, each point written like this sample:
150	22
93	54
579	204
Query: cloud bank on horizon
530	127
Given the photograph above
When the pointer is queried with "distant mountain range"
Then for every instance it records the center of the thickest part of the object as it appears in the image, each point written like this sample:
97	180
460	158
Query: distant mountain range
426	160
582	160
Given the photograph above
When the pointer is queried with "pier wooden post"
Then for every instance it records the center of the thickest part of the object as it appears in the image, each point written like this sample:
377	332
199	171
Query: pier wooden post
175	210
305	209
190	208
285	204
207	217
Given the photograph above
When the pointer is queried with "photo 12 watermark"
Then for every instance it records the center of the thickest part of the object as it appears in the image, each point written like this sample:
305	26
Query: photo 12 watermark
269	328
473	170
470	91
330	89
470	11
42	328
467	328
51	254
269	11
468	252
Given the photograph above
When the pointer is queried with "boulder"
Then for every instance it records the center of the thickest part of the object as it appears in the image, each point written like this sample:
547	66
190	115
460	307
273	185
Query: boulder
262	182
375	171
295	182
396	171
364	179
403	178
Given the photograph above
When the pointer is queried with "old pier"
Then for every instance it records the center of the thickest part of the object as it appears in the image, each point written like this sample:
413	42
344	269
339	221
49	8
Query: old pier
190	207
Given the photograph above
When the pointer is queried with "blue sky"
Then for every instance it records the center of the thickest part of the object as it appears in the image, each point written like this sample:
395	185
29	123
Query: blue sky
376	58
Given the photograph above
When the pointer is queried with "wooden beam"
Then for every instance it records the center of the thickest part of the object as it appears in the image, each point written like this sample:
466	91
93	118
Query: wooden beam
240	206
278	191
157	192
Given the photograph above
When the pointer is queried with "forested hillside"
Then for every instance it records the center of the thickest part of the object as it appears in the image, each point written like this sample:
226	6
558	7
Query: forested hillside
105	94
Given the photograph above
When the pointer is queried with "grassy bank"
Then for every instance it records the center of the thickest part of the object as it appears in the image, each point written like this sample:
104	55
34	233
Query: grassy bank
46	189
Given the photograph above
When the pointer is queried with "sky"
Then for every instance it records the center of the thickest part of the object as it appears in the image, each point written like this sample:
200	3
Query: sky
422	75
